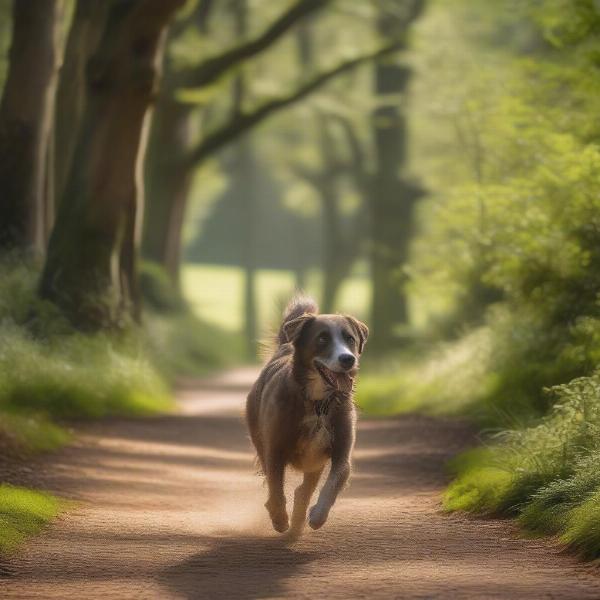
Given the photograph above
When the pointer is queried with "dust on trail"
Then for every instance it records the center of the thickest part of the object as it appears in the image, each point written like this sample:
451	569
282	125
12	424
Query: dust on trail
170	507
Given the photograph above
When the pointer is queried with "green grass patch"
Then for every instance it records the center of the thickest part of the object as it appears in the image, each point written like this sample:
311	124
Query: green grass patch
482	486
216	294
34	432
24	513
50	372
446	380
547	475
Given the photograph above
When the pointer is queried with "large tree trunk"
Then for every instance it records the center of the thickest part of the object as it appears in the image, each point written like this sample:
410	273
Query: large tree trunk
93	239
84	35
392	200
25	123
169	174
169	178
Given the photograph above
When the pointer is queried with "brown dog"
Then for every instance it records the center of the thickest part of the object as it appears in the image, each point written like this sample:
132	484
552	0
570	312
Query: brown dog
300	410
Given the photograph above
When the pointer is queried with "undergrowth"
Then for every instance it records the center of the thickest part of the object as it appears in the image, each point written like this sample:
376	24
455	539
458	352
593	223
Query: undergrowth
50	373
534	391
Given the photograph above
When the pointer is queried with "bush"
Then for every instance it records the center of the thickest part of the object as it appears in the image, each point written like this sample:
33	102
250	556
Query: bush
48	370
547	474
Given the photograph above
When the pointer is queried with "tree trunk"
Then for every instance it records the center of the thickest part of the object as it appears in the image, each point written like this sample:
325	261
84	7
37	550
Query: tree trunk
247	194
25	122
169	178
392	200
84	35
88	252
246	185
169	174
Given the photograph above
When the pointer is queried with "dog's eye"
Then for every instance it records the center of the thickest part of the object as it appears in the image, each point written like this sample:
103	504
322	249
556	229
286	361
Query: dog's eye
323	338
349	339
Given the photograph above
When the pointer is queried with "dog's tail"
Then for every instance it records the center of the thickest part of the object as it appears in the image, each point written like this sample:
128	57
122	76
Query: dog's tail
298	305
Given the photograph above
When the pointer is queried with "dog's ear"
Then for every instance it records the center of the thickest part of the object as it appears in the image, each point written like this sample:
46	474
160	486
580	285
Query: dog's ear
293	328
362	331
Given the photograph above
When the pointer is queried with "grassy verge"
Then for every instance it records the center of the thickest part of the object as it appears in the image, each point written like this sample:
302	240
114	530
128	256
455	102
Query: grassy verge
221	302
23	513
546	475
50	373
535	393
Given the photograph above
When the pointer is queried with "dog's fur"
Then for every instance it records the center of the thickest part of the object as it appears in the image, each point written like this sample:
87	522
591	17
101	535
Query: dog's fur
300	411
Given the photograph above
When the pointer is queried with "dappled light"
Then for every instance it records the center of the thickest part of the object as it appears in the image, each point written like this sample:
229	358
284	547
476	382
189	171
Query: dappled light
299	299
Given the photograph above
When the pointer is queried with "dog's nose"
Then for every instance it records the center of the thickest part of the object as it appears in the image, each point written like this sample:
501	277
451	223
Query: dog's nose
346	360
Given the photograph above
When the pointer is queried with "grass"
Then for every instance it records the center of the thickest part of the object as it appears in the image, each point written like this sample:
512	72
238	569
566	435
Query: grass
539	461
23	513
50	373
546	475
215	293
447	380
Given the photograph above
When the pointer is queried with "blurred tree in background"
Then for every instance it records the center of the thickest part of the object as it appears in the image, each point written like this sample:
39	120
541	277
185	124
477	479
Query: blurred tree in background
83	178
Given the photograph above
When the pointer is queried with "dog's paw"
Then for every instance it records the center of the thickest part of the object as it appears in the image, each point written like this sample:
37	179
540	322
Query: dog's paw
317	517
278	514
280	523
293	534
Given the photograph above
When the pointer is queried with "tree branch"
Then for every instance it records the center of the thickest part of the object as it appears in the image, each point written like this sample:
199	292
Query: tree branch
213	68
243	122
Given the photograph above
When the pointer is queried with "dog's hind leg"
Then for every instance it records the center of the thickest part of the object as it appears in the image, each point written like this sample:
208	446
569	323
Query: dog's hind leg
302	496
274	471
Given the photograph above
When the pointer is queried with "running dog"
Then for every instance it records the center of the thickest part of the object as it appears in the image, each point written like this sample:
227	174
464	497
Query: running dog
300	410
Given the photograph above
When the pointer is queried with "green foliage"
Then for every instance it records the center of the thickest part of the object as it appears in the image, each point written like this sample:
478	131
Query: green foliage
45	366
50	371
446	380
546	474
506	265
484	483
23	513
159	293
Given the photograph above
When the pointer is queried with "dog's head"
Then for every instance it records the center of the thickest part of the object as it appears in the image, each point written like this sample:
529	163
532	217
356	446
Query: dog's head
329	345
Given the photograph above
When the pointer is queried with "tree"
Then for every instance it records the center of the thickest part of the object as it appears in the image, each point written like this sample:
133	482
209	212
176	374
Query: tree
162	238
90	268
342	235
170	174
25	122
392	198
84	35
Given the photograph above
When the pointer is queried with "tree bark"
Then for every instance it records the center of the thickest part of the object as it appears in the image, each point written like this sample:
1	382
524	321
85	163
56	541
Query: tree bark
84	35
94	236
392	199
169	178
170	174
25	123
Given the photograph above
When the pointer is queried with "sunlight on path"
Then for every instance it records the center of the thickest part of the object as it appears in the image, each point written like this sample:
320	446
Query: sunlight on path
171	507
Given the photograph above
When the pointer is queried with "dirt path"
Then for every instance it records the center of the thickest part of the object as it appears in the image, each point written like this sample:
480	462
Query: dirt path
171	508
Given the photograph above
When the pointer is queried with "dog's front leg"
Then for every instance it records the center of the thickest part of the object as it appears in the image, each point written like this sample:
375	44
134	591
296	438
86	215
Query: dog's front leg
302	497
275	469
343	427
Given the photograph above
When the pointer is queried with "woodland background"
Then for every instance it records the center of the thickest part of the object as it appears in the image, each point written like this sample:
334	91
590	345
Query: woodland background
171	170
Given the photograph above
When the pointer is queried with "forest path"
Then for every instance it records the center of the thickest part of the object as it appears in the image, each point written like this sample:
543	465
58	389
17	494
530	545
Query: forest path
171	508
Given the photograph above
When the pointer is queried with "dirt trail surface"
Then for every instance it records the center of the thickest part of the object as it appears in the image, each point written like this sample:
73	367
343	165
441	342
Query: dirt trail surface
171	507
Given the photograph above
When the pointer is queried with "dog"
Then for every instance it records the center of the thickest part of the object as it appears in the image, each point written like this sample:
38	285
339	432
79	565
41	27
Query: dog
300	411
